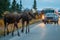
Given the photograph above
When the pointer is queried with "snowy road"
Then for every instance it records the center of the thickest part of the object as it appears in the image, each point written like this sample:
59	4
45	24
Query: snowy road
38	31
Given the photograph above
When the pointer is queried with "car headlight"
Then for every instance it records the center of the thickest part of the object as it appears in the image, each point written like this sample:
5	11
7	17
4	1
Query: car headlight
43	17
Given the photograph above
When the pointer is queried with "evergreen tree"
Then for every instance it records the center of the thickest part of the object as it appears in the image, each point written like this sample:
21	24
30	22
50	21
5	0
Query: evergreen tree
4	6
34	5
17	7
20	5
13	8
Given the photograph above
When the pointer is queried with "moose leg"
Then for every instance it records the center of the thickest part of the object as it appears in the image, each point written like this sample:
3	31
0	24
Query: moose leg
7	29
13	30
17	30
22	27
4	31
27	26
4	28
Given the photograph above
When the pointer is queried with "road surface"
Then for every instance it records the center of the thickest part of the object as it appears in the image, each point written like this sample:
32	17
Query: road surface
38	31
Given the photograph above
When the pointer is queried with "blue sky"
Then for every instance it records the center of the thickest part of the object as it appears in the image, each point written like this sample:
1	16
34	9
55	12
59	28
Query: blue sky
41	4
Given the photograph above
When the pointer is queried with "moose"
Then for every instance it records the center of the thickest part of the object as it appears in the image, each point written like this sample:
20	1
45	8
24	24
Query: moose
9	19
25	16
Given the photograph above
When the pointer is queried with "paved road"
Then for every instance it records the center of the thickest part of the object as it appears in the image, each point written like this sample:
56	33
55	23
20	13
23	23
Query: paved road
38	31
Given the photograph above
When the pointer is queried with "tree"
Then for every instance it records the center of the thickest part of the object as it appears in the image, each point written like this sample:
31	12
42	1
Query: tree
17	7
34	5
20	5
4	6
13	8
35	8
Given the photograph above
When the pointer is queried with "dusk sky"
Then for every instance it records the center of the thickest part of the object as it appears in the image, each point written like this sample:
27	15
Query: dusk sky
41	4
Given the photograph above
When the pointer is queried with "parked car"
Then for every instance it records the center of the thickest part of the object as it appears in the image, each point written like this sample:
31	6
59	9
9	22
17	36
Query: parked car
50	17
